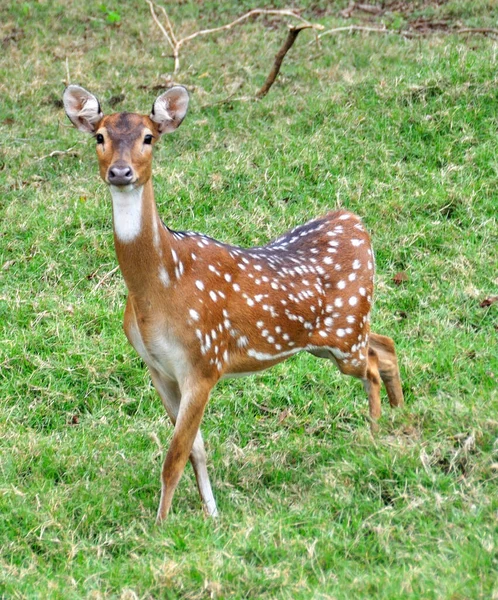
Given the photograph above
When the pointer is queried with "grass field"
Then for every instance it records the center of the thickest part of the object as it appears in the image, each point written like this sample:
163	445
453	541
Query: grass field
402	131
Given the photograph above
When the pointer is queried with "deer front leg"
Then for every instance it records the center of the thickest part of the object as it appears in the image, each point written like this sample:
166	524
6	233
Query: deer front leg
186	441
170	395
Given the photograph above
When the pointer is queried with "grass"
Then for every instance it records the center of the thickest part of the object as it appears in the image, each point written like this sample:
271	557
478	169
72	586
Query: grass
401	131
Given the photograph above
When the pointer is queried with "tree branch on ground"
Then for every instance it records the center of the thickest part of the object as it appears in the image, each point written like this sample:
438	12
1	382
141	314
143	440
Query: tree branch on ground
176	44
291	38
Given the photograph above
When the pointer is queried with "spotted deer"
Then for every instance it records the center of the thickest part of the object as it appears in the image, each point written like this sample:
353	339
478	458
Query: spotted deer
200	310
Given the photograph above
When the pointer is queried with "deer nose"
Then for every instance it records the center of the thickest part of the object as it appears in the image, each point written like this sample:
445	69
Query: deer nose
120	174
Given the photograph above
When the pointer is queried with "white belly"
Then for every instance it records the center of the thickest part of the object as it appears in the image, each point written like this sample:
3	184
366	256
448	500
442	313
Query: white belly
163	354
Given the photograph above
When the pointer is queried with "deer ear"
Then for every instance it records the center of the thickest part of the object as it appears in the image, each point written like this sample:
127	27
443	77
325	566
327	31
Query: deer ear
82	108
169	110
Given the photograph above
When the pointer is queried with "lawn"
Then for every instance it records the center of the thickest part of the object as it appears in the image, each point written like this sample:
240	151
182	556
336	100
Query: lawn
401	129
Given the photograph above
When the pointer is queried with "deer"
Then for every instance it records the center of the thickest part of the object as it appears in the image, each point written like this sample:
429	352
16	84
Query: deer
200	310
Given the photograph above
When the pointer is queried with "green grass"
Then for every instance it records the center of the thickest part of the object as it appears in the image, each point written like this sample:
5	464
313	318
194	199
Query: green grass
401	131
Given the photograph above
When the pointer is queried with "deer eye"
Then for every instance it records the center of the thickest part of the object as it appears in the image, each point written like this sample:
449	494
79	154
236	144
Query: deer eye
148	139
100	138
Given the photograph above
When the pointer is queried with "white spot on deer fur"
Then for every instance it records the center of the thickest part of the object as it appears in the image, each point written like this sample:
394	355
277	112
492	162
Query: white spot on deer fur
350	319
259	324
228	277
271	339
341	284
126	212
328	321
174	255
328	260
200	285
194	314
369	265
322	333
353	301
356	264
338	302
362	291
194	256
164	277
340	333
344	217
242	341
236	287
264	356
356	242
250	302
352	276
213	296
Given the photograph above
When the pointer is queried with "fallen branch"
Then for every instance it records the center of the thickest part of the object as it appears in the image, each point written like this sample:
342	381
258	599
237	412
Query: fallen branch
368	8
407	32
349	28
279	57
68	152
105	278
482	30
176	44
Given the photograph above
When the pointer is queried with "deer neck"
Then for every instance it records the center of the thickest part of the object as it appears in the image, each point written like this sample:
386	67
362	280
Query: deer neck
142	243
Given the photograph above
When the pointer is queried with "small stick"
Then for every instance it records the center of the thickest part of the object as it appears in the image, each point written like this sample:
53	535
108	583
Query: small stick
349	28
68	152
287	45
105	278
251	13
483	30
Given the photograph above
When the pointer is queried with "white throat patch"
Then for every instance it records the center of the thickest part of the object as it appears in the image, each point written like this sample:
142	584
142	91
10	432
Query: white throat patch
127	212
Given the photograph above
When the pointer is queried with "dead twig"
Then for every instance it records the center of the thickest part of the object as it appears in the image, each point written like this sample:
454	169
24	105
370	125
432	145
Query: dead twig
176	44
68	152
407	32
368	8
279	57
481	30
107	276
350	28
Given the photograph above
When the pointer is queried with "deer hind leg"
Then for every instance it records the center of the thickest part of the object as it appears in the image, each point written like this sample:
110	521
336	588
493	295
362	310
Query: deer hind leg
170	395
388	367
361	367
